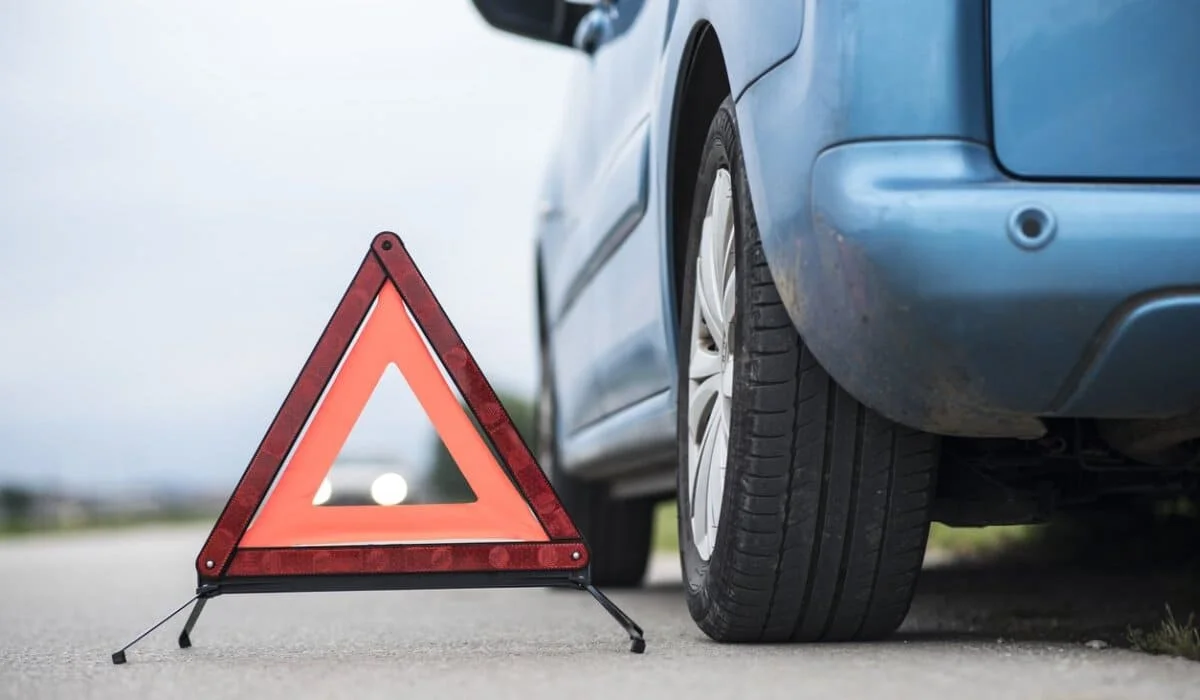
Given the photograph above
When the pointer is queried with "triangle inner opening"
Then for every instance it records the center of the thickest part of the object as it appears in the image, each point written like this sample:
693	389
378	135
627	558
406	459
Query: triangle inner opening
376	467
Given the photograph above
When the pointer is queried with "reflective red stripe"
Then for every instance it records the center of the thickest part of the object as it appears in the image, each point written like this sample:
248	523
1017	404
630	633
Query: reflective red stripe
408	559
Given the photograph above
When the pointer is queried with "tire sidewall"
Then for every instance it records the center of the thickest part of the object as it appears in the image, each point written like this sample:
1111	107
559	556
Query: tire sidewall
722	150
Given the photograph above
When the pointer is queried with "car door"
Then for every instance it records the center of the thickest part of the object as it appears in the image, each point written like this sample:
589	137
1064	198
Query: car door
601	280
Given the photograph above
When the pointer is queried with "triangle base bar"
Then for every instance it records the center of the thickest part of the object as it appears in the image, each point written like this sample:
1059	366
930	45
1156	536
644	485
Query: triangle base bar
579	580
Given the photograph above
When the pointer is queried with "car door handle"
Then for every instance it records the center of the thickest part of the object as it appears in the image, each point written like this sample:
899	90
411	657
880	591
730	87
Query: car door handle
596	27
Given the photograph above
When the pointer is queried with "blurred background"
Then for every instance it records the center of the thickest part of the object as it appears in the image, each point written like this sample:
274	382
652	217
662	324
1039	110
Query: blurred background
187	188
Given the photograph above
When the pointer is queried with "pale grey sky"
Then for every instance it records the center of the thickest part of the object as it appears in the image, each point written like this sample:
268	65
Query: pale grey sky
186	189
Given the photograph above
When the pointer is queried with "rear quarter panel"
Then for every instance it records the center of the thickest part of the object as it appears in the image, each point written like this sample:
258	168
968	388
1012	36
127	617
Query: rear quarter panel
917	73
864	70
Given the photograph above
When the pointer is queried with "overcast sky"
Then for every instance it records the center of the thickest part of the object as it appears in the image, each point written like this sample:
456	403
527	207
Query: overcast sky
186	189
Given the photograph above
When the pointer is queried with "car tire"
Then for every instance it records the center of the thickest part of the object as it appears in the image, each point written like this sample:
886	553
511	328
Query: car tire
819	530
618	532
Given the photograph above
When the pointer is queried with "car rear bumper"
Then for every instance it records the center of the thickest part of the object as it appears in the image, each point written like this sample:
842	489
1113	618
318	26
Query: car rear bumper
954	299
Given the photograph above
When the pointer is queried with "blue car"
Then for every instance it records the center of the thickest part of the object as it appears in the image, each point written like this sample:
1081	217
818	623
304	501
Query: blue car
827	271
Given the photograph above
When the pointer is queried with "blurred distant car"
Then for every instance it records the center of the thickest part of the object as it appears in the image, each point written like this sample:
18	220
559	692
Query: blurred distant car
370	482
829	270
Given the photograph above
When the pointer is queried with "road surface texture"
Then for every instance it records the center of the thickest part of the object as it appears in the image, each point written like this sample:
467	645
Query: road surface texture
69	602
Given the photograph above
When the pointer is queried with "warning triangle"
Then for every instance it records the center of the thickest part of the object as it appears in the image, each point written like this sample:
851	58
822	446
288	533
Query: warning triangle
274	534
275	524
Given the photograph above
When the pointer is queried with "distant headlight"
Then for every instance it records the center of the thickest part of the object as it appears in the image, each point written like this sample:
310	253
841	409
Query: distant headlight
324	492
389	489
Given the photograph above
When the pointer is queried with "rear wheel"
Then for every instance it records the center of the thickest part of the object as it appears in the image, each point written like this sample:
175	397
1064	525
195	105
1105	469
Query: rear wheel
803	515
618	531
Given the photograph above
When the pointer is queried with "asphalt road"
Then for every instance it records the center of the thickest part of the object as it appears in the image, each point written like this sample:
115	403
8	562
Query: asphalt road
68	602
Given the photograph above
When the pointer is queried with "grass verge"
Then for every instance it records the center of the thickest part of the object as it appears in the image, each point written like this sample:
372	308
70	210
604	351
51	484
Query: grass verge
666	531
10	530
1171	638
978	541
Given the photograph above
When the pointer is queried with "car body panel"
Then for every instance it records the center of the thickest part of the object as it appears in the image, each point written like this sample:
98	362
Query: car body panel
892	229
1098	89
857	75
595	199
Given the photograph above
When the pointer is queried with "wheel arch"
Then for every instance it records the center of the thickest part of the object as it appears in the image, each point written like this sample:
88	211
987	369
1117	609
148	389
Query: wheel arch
702	85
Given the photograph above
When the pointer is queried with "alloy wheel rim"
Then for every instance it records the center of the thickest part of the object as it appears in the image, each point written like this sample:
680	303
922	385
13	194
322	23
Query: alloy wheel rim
710	365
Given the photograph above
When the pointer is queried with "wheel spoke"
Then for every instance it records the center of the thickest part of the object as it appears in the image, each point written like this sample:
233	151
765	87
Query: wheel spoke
716	475
714	494
700	507
722	211
729	297
710	289
729	254
718	235
705	363
702	396
715	260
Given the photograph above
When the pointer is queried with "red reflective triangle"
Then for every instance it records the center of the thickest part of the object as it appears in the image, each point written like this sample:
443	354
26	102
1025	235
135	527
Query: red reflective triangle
269	527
